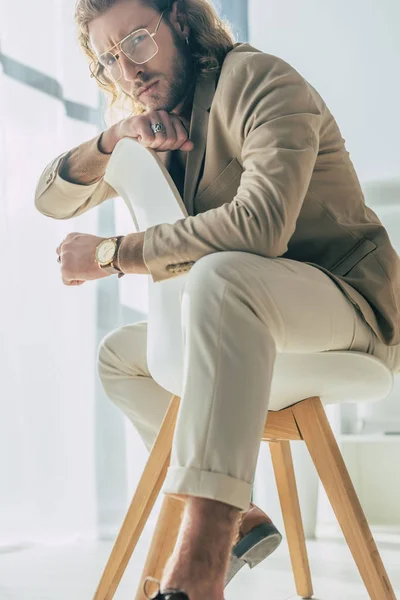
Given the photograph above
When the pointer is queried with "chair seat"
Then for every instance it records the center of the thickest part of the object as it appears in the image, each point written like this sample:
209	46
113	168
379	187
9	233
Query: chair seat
333	376
152	198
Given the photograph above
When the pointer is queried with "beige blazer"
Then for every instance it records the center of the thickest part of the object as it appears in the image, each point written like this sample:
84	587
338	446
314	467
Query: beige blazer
269	174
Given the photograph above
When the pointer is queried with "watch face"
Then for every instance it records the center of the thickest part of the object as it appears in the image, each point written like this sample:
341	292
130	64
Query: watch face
105	252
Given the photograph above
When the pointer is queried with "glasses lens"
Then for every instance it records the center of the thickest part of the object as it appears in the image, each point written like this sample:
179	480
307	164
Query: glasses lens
108	68
97	71
139	46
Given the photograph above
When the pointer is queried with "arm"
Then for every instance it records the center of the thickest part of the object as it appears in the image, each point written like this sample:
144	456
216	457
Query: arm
273	120
87	163
74	182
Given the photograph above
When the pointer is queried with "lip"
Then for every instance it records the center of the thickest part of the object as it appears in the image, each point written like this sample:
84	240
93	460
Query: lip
147	89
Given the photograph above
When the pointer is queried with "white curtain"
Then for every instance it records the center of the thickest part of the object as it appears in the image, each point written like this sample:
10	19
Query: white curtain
63	468
69	459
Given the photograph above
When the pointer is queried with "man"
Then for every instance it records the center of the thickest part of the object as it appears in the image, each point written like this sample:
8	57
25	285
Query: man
282	254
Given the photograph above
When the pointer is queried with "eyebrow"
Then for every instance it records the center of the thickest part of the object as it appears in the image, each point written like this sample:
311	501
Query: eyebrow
133	31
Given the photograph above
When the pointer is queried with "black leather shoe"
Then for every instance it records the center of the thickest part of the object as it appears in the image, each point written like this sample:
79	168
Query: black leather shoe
169	594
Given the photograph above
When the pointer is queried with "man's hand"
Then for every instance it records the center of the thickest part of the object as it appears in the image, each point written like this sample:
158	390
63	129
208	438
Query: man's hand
138	127
77	254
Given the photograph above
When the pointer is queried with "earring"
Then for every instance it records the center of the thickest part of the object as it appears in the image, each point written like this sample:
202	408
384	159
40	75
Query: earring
187	41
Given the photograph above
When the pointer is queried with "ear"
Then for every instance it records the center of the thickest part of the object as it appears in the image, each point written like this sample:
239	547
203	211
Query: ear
178	21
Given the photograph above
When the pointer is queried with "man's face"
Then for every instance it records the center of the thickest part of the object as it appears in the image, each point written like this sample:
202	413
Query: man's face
172	67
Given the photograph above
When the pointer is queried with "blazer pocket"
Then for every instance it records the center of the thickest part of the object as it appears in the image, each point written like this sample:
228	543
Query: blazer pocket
352	258
231	170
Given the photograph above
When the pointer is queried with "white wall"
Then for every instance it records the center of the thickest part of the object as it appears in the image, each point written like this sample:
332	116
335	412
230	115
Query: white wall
349	51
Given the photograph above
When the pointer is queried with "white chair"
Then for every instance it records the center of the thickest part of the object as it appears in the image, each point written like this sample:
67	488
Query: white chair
296	409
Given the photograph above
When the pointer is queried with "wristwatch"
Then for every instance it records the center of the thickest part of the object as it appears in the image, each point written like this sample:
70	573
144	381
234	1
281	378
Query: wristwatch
106	254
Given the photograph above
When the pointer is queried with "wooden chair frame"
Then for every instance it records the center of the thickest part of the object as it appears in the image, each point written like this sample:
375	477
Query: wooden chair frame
305	421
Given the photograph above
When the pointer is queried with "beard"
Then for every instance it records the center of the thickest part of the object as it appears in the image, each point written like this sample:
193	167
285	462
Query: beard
183	75
182	79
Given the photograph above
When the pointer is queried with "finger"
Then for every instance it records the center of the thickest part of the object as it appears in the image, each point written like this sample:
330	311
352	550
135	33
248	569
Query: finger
170	137
182	136
72	282
68	281
159	138
144	133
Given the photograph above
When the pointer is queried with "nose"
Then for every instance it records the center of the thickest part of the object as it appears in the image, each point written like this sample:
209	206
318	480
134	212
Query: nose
129	69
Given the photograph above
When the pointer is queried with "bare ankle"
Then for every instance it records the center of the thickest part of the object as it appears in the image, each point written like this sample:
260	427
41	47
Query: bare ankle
200	560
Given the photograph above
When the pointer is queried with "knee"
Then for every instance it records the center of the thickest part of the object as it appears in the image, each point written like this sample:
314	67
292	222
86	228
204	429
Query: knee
107	356
122	352
212	273
210	270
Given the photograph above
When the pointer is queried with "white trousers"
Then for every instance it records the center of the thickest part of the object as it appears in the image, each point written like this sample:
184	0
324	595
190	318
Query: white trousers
238	311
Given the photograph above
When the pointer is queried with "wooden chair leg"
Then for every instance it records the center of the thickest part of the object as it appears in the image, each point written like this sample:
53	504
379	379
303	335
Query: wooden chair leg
143	501
287	489
163	542
315	429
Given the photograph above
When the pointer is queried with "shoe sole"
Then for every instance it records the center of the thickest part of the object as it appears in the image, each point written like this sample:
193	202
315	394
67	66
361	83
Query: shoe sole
257	545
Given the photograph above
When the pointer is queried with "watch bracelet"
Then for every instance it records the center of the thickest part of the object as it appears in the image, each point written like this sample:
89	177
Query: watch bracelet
111	268
119	239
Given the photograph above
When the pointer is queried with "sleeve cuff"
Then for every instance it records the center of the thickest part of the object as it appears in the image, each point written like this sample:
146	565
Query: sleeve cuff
161	263
150	257
128	258
154	256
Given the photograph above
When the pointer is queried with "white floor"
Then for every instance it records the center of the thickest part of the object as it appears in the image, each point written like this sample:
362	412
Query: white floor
72	572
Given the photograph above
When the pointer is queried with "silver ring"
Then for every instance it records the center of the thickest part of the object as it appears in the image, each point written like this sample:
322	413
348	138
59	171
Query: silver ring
158	127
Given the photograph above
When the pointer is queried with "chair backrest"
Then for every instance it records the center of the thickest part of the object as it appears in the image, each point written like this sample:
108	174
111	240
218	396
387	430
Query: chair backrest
139	176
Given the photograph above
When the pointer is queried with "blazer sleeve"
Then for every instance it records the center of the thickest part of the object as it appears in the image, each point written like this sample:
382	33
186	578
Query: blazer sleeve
269	113
60	199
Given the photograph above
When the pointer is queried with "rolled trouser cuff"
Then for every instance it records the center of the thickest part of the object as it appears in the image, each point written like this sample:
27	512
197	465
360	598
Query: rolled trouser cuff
207	484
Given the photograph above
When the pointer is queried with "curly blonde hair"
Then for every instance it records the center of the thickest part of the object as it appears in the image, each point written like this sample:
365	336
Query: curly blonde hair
211	38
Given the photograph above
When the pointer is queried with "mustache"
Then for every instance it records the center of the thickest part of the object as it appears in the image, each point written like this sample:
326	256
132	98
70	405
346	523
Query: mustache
144	84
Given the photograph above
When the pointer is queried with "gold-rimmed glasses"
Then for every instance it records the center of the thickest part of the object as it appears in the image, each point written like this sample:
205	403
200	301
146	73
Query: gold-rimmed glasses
139	46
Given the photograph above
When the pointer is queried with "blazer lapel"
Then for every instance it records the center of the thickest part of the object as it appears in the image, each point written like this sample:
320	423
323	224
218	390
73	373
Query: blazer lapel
203	97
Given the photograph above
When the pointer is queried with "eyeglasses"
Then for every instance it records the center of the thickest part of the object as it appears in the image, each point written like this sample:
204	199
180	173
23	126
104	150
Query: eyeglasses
139	46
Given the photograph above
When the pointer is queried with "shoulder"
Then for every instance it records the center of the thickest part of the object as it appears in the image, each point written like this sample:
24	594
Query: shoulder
246	62
249	75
